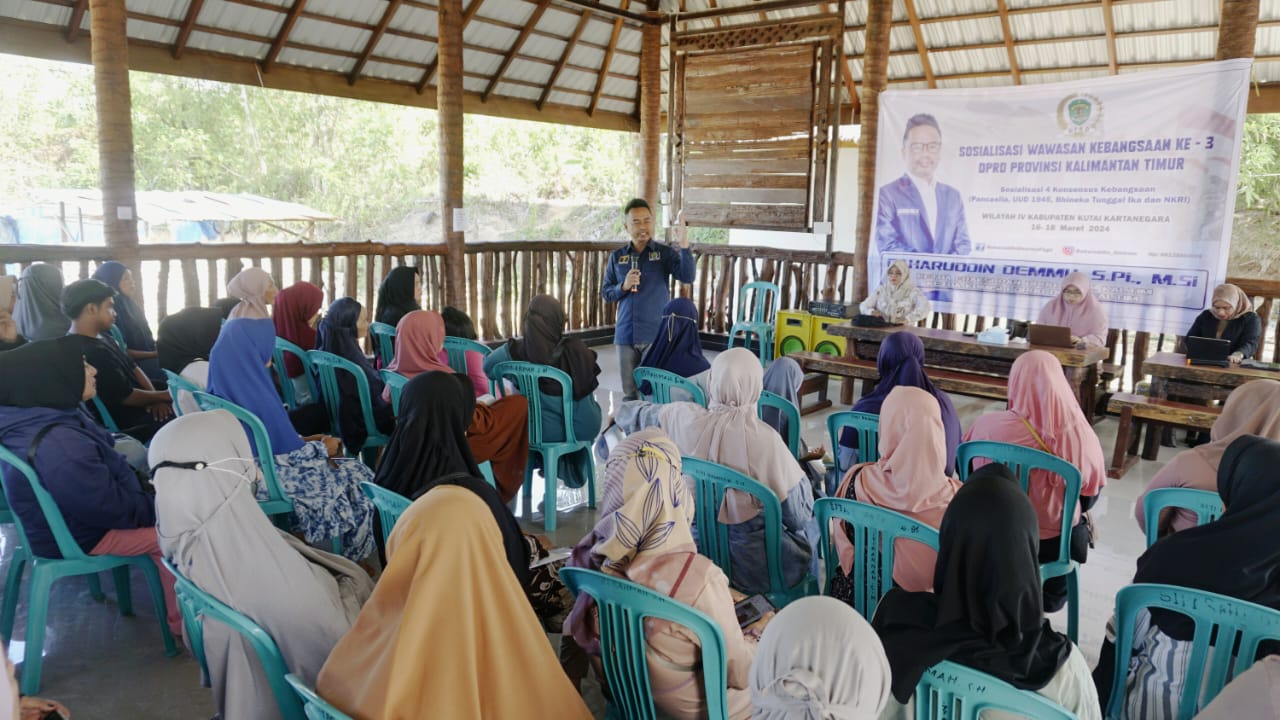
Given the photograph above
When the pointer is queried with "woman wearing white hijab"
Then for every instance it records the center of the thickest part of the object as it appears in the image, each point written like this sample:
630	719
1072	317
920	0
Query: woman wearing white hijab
729	432
897	299
819	660
214	533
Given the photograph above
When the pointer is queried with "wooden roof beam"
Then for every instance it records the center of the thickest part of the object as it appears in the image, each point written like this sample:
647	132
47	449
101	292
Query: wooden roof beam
529	25
77	19
467	14
1109	26
378	31
924	50
188	24
1008	42
564	57
283	37
622	12
608	58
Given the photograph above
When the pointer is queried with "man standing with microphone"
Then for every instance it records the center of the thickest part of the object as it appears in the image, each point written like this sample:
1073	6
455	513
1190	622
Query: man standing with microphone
637	278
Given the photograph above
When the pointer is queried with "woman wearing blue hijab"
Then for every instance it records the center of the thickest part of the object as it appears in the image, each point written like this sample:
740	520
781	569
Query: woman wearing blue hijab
139	343
677	348
339	333
324	486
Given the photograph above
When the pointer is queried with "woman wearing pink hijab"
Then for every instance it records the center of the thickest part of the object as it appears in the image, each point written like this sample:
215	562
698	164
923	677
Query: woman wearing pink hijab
1076	308
255	290
1044	415
909	478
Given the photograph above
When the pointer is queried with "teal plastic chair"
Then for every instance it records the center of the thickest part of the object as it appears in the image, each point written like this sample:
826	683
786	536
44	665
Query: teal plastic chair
282	348
315	706
457	349
789	411
177	385
198	605
527	376
396	382
951	691
867	428
624	606
486	470
277	506
389	504
757	317
1228	623
711	482
1022	460
104	416
661	382
1206	505
74	561
118	337
384	342
327	366
876	531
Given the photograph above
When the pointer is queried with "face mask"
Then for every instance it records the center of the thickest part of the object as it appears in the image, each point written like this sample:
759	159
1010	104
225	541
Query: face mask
198	465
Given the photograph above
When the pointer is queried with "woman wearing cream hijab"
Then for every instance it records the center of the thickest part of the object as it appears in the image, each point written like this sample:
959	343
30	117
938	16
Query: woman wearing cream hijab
897	299
448	632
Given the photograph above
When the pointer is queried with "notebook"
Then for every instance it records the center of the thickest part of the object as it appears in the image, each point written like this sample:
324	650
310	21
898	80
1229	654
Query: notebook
1050	336
1208	351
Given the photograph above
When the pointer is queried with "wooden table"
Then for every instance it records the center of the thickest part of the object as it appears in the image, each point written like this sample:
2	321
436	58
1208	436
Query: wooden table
1172	377
954	351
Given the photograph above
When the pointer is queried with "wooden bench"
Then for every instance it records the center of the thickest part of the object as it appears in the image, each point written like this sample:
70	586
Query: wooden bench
1135	410
953	381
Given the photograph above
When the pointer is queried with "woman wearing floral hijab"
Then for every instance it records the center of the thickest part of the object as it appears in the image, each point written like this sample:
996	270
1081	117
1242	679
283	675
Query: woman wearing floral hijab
897	299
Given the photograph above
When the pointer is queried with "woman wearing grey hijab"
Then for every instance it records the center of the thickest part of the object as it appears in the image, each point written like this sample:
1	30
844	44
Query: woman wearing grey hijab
214	533
39	310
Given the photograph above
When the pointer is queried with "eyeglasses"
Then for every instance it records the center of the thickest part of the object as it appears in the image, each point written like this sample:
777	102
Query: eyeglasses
921	147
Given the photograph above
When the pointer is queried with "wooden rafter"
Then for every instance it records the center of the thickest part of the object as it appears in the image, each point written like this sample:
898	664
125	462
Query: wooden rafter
608	58
467	14
529	25
851	86
283	37
564	57
1109	25
919	35
184	32
373	40
1003	8
77	18
602	7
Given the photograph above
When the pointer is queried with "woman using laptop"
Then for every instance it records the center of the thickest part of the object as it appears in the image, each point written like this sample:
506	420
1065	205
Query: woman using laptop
1230	317
1076	308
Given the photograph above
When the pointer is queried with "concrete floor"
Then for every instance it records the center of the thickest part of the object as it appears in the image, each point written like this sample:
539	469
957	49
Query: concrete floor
106	667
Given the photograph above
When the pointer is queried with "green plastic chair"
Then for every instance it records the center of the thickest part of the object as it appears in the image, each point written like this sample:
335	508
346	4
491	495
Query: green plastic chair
104	416
1022	460
277	506
74	561
867	428
118	338
1229	624
951	691
1206	505
624	606
282	348
178	385
526	376
457	349
396	382
711	482
327	366
876	531
384	342
789	411
661	382
486	470
315	706
389	504
198	605
757	317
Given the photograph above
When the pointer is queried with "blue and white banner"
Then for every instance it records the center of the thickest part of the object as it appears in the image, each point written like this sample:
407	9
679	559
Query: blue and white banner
993	195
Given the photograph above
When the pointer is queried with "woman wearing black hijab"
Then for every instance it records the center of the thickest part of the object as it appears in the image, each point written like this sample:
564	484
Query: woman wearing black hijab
339	333
189	334
1237	555
986	610
398	295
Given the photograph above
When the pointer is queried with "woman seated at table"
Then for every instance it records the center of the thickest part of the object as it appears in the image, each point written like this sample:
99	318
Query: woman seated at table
140	345
340	333
897	300
458	324
677	348
909	479
729	432
984	611
255	290
1076	308
645	535
297	312
1044	414
1251	409
1230	317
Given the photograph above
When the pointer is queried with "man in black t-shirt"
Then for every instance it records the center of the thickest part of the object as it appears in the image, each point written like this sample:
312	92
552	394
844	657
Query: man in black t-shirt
133	402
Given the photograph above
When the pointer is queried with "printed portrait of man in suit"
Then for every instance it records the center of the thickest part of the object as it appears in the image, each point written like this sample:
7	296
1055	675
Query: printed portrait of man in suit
917	213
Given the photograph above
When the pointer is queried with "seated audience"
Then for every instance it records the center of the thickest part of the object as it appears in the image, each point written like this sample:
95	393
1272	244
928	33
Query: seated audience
1230	317
1045	415
446	586
255	290
324	486
784	378
214	533
1255	693
39	309
644	534
189	334
340	333
909	478
398	294
1251	409
499	430
984	611
897	300
101	498
730	433
132	401
1076	308
458	324
10	338
677	347
819	660
544	343
140	346
297	312
1237	555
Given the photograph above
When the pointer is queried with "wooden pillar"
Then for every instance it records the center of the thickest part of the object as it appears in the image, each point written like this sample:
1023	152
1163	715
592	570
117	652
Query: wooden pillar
449	109
875	76
1237	29
110	51
650	109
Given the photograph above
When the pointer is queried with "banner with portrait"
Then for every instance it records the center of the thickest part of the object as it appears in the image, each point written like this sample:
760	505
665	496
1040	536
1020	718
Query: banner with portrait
994	195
